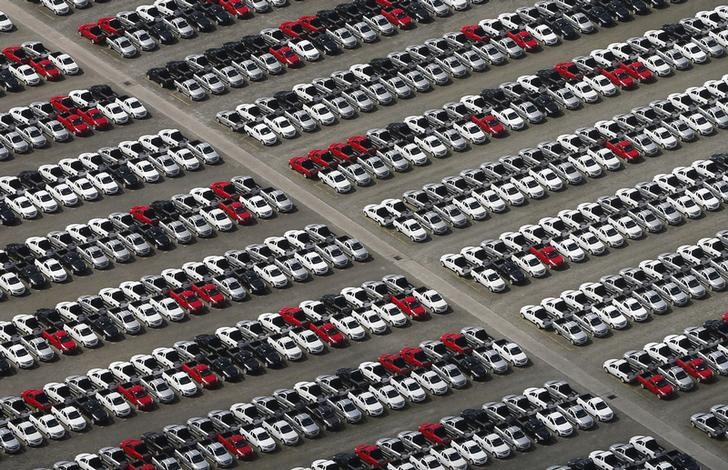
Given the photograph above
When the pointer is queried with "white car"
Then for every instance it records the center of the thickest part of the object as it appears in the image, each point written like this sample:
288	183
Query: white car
22	206
114	112
70	417
286	347
410	228
132	106
26	432
42	200
556	423
530	264
113	402
82	333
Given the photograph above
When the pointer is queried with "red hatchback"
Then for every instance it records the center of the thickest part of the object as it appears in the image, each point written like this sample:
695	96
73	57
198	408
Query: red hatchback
548	255
144	214
489	124
328	333
236	211
475	33
395	364
398	17
136	395
60	340
415	356
36	399
410	306
202	374
187	300
304	166
456	342
236	445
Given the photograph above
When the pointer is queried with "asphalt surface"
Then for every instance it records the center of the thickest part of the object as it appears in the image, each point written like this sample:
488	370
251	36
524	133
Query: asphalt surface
552	357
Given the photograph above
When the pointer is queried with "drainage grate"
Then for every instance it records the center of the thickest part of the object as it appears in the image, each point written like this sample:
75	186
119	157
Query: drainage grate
397	258
611	396
127	83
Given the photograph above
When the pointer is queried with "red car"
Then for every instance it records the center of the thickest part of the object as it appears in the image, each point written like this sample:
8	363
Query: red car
695	368
93	33
225	189
187	300
371	455
293	29
45	69
285	55
395	364
237	8
435	433
548	255
343	152
362	144
387	3
294	316
619	78
655	384
145	214
415	356
136	449
36	399
409	306
304	166
524	40
568	70
623	148
16	54
235	444
456	342
236	211
208	293
60	340
475	33
73	123
638	71
111	26
94	118
202	374
328	333
323	158
63	104
136	395
398	17
311	23
489	124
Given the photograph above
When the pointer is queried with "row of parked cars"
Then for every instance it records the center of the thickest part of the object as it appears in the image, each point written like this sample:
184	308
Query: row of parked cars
171	373
636	293
640	452
364	87
177	293
593	227
30	63
550	167
291	414
273	50
142	231
676	363
475	118
80	113
495	431
714	422
108	171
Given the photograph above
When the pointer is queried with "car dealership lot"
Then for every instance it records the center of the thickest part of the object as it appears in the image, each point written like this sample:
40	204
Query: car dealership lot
668	420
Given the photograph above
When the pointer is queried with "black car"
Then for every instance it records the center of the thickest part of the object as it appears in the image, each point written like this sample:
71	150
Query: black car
470	366
30	179
157	442
102	324
476	417
495	96
368	7
93	410
330	19
156	236
224	367
550	77
324	43
288	99
251	281
71	260
19	252
8	81
179	69
382	65
349	461
236	50
198	20
352	378
245	359
161	32
662	3
637	6
534	428
31	275
350	13
335	304
400	131
325	414
681	460
677	31
255	43
599	15
102	92
509	271
546	104
215	13
5	366
265	353
161	77
218	56
581	464
416	11
211	344
618	10
165	208
7	216
124	176
49	317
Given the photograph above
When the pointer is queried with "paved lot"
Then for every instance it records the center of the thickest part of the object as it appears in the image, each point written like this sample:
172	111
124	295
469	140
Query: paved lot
552	357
